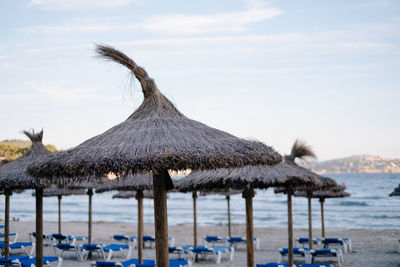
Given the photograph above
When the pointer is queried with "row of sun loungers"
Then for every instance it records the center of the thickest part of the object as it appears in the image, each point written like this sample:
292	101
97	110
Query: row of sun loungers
232	241
323	250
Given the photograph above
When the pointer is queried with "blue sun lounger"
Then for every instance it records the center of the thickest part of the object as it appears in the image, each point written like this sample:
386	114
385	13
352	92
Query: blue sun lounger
303	241
126	239
31	262
327	252
213	239
272	264
344	242
218	252
85	249
109	250
127	263
299	252
315	265
9	261
234	241
20	246
11	235
135	262
180	251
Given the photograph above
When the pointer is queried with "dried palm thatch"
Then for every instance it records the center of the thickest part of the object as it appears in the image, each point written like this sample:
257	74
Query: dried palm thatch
261	176
133	194
55	191
396	192
128	183
227	193
3	161
333	192
14	175
155	137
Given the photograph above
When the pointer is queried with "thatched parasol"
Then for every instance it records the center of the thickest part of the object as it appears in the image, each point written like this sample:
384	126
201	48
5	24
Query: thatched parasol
133	194
155	138
396	192
246	179
14	175
333	192
54	191
227	193
139	183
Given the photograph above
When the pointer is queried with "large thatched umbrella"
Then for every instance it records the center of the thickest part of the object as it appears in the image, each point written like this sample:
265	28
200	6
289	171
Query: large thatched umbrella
155	138
396	192
138	183
227	193
328	185
54	191
332	192
14	175
301	151
247	179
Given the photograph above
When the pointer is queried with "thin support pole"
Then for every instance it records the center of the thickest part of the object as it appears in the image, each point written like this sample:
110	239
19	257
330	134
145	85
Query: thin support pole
194	195
139	197
160	217
321	200
39	227
7	193
248	194
290	227
228	199
310	235
90	194
59	214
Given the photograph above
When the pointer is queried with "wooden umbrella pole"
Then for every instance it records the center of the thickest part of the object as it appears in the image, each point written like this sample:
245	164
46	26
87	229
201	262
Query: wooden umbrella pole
39	227
228	199
290	227
160	218
139	197
321	200
59	214
310	241
90	194
7	194
248	194
194	195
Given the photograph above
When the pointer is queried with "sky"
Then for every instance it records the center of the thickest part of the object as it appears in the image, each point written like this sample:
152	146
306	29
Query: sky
326	72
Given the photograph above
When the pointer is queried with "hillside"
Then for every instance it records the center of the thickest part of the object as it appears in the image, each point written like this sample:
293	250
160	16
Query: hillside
358	164
15	148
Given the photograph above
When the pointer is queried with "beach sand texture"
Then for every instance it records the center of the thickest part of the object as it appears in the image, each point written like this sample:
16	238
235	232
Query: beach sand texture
370	247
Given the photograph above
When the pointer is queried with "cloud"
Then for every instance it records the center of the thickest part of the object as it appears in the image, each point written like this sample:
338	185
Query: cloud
220	22
78	4
166	24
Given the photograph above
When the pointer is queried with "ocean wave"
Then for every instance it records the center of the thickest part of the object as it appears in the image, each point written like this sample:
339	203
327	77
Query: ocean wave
353	203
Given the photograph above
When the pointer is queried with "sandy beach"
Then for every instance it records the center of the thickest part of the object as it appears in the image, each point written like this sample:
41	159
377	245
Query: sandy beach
370	247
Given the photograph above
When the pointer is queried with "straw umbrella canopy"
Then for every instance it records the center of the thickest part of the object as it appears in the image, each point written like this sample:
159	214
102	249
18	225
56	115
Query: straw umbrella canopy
227	193
133	194
14	175
54	191
396	192
138	183
247	179
333	192
155	138
301	151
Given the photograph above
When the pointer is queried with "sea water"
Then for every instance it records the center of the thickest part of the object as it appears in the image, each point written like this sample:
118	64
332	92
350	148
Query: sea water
368	207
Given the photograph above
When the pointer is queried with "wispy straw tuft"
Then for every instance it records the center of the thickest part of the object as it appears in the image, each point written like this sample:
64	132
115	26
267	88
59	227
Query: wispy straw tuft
34	137
301	150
